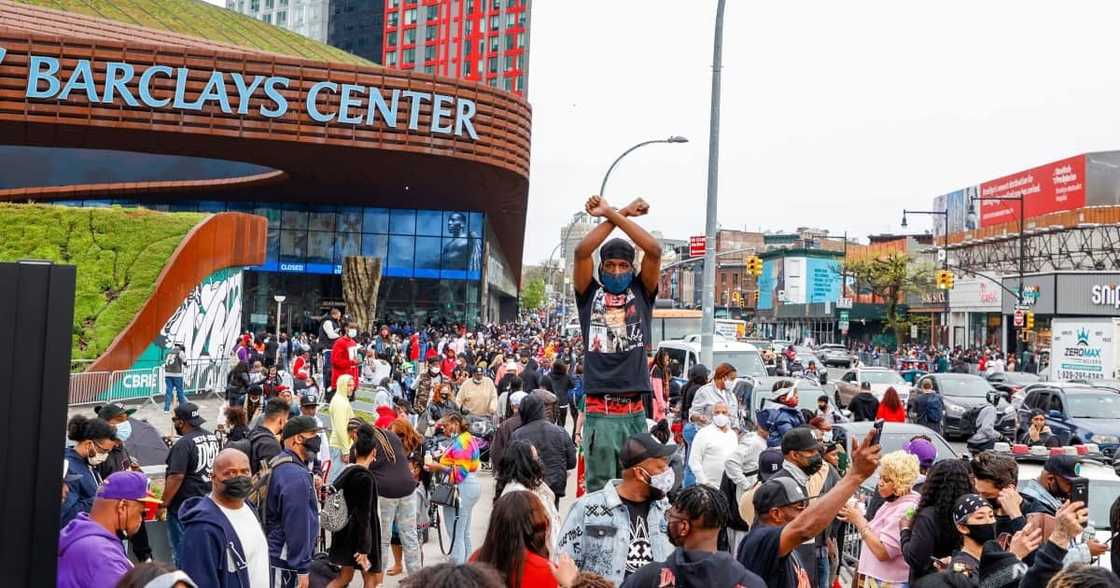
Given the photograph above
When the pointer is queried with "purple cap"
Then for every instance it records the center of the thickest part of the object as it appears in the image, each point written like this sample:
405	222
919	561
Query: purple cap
923	450
126	486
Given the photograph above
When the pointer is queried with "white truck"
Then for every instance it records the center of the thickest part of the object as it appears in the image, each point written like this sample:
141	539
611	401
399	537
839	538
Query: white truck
1084	348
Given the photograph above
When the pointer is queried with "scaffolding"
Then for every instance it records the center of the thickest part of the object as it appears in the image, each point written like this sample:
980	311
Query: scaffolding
1085	247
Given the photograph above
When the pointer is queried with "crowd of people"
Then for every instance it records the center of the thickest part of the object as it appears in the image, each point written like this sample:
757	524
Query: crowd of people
301	485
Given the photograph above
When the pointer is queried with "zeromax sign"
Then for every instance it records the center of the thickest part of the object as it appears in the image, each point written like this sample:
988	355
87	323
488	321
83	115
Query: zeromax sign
233	92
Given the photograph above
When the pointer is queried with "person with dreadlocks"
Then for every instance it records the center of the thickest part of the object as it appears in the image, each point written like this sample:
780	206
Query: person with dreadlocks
395	485
694	521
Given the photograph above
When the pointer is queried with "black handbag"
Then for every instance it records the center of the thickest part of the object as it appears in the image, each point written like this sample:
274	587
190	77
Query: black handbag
445	494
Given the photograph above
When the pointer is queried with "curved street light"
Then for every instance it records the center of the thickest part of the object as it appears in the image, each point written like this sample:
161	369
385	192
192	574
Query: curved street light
673	139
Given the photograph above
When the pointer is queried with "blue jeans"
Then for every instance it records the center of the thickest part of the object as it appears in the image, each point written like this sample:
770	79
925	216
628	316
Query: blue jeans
174	534
458	523
823	570
174	384
689	434
336	465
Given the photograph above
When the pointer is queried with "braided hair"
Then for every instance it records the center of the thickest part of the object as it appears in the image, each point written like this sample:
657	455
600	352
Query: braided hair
705	504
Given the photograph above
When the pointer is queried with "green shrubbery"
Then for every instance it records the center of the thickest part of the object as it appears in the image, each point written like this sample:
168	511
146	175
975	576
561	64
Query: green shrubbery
119	253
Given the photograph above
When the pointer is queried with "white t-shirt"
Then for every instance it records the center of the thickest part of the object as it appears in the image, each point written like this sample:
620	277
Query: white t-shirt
253	542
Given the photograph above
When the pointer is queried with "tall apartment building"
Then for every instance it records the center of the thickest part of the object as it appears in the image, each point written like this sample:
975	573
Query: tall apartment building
481	40
358	26
306	17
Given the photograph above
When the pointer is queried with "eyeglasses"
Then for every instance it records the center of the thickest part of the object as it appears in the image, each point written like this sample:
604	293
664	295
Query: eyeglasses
101	449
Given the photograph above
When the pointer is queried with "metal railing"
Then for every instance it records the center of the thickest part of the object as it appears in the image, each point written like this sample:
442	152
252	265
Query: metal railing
205	375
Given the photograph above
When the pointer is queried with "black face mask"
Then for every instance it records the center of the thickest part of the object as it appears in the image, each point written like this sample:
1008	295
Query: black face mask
311	446
982	533
237	487
815	464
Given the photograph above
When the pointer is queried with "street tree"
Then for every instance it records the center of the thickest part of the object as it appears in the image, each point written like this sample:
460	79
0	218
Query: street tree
892	277
532	295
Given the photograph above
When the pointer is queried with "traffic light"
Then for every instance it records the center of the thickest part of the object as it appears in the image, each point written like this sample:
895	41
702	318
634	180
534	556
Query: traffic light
754	299
1030	320
945	279
754	266
949	279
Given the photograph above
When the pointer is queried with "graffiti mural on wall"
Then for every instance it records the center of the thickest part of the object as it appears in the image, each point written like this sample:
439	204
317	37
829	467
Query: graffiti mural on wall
206	324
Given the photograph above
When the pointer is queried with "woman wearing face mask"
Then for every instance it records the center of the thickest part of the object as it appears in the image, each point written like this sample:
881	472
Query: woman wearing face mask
881	561
976	522
93	440
441	404
712	446
358	544
459	463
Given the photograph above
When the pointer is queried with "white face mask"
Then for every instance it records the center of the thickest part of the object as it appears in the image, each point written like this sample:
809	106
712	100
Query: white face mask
433	371
721	420
663	481
98	458
352	333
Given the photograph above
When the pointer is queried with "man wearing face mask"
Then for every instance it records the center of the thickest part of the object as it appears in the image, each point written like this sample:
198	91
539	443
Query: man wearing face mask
344	354
804	463
120	461
90	552
694	523
223	544
785	519
478	396
712	446
189	466
615	314
615	531
292	510
330	329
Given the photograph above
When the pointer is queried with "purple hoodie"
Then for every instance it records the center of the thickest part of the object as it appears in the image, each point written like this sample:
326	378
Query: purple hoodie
89	555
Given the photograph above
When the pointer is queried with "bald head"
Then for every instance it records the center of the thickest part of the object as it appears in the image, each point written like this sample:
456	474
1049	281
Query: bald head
231	464
230	457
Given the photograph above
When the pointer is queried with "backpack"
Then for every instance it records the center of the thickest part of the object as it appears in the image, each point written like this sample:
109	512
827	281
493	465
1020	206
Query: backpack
261	480
728	488
929	409
969	420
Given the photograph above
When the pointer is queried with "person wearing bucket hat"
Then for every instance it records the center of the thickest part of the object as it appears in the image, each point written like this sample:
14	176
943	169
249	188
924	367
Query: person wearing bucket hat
90	552
615	316
785	520
190	464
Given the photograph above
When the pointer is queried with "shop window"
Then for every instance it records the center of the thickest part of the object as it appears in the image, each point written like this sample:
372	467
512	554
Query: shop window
402	222
429	222
375	220
320	246
293	244
375	246
401	255
321	220
427	257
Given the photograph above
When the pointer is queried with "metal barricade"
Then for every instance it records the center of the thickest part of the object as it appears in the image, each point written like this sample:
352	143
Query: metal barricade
118	386
850	547
87	387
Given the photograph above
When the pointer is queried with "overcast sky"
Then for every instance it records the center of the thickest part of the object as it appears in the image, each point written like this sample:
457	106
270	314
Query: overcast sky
834	114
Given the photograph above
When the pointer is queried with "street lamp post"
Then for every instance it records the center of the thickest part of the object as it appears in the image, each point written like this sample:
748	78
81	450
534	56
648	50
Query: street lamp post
945	261
972	217
708	324
279	298
602	191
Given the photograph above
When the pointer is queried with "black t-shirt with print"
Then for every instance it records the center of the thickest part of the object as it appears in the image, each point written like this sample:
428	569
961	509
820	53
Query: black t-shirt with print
758	552
616	336
640	552
193	456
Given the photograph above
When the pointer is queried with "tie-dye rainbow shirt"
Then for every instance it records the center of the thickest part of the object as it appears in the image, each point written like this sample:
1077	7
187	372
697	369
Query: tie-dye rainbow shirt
461	457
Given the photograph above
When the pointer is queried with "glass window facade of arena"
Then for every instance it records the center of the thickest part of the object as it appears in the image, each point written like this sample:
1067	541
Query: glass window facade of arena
432	260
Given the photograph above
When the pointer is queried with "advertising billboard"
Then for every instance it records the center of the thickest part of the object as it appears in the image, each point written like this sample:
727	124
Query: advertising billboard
823	278
1053	187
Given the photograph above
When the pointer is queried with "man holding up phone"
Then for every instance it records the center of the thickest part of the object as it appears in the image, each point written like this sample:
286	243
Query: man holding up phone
1055	486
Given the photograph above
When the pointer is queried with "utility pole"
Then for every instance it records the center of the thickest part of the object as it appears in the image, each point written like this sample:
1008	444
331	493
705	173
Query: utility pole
708	324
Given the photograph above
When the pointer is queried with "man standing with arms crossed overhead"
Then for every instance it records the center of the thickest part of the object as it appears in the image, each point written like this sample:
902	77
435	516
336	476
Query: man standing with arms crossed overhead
615	308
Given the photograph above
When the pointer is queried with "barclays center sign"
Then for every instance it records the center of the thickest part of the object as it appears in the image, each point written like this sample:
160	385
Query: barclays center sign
235	93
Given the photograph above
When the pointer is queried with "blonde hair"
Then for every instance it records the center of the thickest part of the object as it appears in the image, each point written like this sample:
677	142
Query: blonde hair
344	384
901	469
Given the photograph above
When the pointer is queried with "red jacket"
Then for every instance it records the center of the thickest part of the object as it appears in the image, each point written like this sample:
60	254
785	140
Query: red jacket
536	572
299	369
341	361
893	416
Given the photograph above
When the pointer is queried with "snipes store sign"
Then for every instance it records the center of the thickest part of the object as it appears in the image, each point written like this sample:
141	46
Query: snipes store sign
1105	295
252	95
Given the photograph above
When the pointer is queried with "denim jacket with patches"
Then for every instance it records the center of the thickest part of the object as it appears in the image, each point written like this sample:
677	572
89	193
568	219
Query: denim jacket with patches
596	533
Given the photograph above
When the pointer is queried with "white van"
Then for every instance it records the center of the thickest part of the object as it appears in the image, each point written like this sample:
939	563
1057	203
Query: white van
744	356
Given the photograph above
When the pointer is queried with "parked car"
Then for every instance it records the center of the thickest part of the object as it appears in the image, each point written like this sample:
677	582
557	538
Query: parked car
895	436
848	385
832	354
1076	413
961	392
1011	382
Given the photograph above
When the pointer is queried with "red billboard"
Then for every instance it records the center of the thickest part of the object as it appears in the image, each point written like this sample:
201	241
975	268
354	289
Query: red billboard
1053	187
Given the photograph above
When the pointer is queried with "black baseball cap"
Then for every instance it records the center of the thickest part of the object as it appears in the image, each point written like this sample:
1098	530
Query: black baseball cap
108	412
309	400
188	413
299	424
1064	466
641	447
769	463
799	439
776	493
